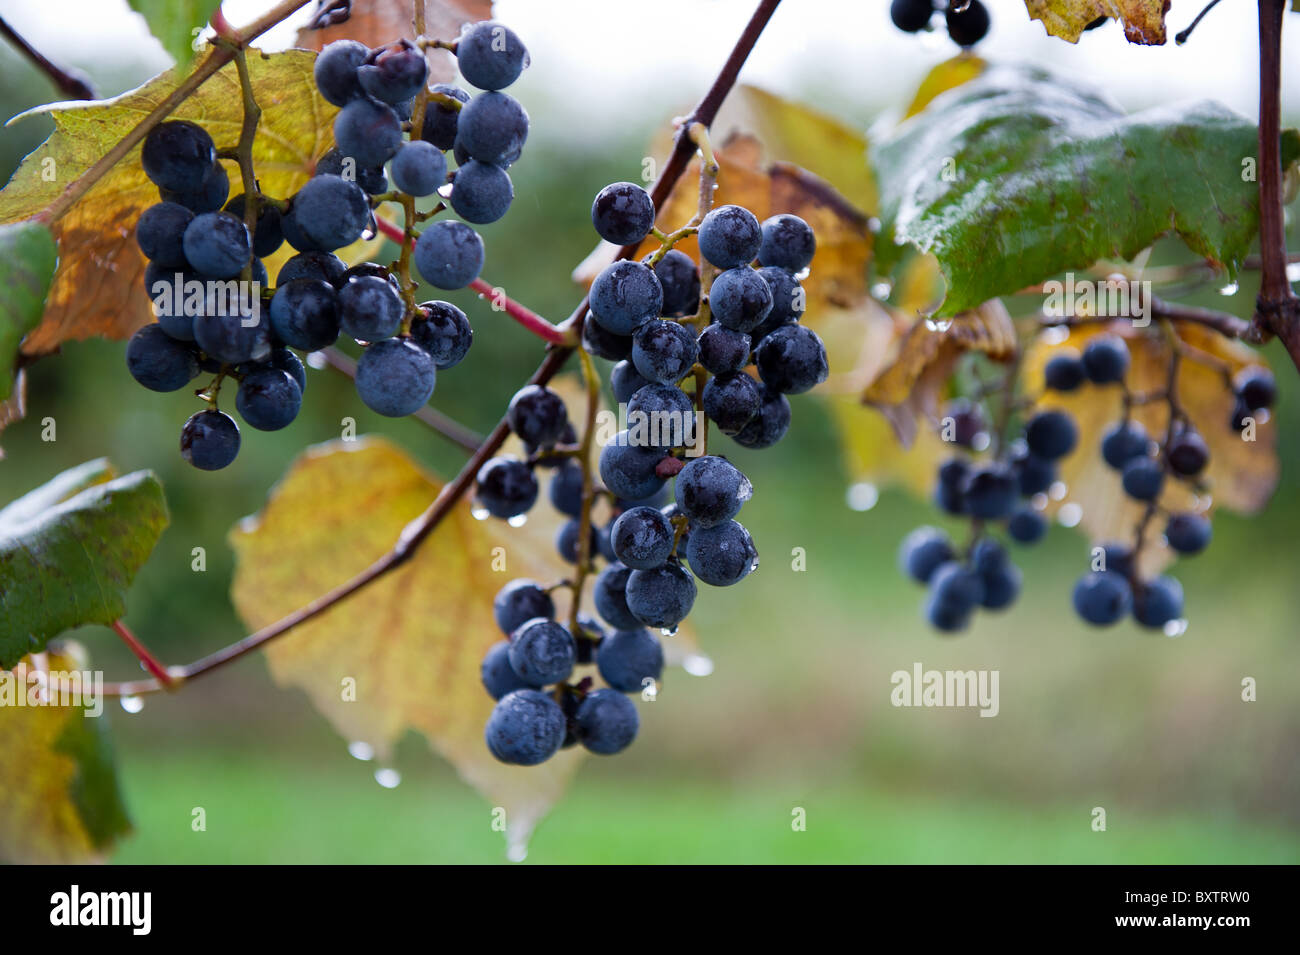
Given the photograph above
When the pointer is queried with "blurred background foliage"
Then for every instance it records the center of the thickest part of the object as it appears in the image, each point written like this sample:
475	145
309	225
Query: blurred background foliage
796	713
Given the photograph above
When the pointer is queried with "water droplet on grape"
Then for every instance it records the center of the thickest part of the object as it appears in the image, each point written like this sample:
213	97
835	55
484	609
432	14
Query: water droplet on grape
697	664
1176	628
132	704
519	520
668	631
361	750
387	777
746	489
1229	289
316	359
1070	514
480	513
862	496
938	324
367	234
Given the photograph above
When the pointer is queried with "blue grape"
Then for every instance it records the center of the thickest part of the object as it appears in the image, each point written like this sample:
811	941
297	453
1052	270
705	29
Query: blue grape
1256	387
505	487
1143	478
1188	533
968	24
1123	442
664	351
233	337
911	16
603	343
166	288
371	179
954	592
642	538
663	413
217	245
989	491
492	128
770	424
1051	434
1033	474
419	168
481	192
1027	526
442	330
267	235
394	73
208	197
178	155
788	301
491	56
567	543
368	130
1106	359
331	212
526	728
722	350
395	377
210	440
722	555
623	213
1158	601
335	71
305	314
732	401
537	415
542	652
628	469
1187	453
730	236
948	492
1001	586
626	381
1064	371
923	551
370	310
325	266
449	255
441	121
607	722
160	362
160	233
792	360
787	243
740	299
287	361
680	278
268	399
565	491
520	601
627	658
499	678
626	295
661	597
1102	597
711	490
610	595
1119	558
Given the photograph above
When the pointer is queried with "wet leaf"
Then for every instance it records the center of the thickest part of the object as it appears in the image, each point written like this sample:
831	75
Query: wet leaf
1143	20
176	23
27	262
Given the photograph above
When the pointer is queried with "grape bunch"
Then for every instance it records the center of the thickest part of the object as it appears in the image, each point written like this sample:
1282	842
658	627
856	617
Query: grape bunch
664	324
214	310
967	21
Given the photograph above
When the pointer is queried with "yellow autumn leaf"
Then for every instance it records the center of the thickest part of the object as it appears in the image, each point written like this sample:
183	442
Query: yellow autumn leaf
1143	20
947	75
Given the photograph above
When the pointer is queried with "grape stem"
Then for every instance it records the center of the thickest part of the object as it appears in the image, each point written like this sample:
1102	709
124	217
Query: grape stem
421	98
244	149
1221	322
591	379
451	494
142	652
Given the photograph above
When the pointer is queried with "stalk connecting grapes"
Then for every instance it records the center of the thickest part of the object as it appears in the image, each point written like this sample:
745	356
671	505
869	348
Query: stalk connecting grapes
215	312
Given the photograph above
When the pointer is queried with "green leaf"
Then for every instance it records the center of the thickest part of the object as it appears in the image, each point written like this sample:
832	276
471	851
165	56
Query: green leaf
174	22
69	550
27	261
1020	175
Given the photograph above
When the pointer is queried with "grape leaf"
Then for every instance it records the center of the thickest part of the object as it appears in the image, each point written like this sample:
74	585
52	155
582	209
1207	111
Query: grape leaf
27	262
412	641
99	289
1143	20
175	22
1018	175
947	75
1241	475
70	549
61	802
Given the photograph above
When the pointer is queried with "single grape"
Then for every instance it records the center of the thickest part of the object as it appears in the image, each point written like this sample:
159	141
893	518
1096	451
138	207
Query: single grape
711	490
610	596
722	555
519	601
911	16
1188	533
370	310
210	440
923	551
1001	586
770	424
287	361
626	295
371	269
1102	597
1188	453
565	491
567	541
967	422
395	377
989	491
305	314
732	401
178	155
606	722
969	24
267	235
490	55
625	381
233	337
662	597
955	591
368	130
481	192
331	212
1143	478
166	288
419	168
1051	434
393	73
642	538
603	343
788	301
160	362
1256	387
1064	371
1123	442
623	213
665	412
1158	601
371	179
506	487
1106	359
792	360
723	350
740	299
949	492
729	237
440	120
217	245
542	652
788	243
1118	557
680	278
208	197
499	678
449	255
492	128
442	330
628	469
664	351
1026	525
628	657
526	728
335	71
268	399
160	233
537	415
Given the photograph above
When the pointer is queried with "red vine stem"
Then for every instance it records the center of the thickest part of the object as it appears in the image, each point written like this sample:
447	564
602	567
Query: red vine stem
419	529
140	650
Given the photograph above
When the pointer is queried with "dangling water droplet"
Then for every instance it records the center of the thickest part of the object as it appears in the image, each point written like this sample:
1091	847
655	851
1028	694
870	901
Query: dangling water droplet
1293	272
746	489
132	704
1070	514
362	751
387	777
862	496
516	852
938	324
1055	334
961	6
1057	491
881	290
479	513
1039	501
367	234
697	664
316	359
753	563
1229	289
519	520
873	225
668	631
1175	628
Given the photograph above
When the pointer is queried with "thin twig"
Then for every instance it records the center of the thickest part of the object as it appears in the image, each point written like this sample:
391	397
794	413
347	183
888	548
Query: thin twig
150	662
71	82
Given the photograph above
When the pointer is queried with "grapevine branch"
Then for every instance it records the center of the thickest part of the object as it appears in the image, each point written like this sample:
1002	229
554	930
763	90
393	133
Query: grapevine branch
418	530
72	83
